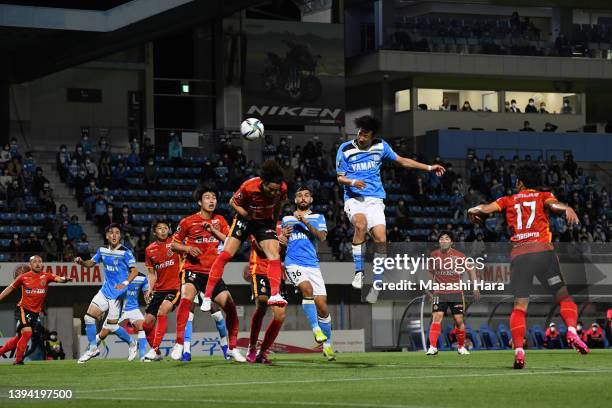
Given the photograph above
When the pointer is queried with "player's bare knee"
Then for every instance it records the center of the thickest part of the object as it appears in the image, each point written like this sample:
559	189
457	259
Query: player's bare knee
278	312
306	290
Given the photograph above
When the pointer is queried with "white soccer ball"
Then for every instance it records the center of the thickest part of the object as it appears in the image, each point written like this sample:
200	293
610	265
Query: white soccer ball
252	129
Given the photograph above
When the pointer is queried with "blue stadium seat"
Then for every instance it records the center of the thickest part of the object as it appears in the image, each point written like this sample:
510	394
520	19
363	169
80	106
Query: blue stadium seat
489	338
473	336
537	336
504	335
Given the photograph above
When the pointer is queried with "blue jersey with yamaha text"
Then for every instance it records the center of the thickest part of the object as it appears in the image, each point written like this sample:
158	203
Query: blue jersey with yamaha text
302	244
116	264
363	165
139	284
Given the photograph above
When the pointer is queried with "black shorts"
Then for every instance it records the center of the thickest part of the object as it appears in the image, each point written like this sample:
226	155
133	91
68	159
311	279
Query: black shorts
443	301
172	296
543	265
261	230
260	285
25	318
199	280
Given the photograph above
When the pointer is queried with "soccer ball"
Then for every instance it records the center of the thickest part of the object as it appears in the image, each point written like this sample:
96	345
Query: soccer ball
252	129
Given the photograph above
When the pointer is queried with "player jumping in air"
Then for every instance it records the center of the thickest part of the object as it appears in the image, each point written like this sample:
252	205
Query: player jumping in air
198	237
119	266
440	273
358	165
302	231
34	284
533	254
258	276
258	203
131	312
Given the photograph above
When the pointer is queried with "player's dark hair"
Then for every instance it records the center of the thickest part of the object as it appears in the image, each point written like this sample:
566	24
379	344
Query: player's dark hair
111	226
201	190
529	175
271	172
447	233
159	221
303	187
368	123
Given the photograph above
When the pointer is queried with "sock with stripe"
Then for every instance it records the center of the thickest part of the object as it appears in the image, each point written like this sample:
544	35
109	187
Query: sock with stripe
271	333
160	330
182	314
517	327
434	333
325	323
216	272
149	330
10	345
22	344
91	330
123	334
460	338
256	322
142	343
188	333
569	312
310	310
358	257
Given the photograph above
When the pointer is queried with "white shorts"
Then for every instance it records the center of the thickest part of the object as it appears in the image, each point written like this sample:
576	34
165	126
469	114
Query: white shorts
372	207
113	306
133	316
298	274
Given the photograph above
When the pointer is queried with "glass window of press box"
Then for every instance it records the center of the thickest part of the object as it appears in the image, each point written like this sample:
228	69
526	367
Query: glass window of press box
554	102
457	100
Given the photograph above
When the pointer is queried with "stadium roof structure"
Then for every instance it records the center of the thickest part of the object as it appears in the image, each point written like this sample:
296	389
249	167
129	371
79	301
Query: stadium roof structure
39	37
591	4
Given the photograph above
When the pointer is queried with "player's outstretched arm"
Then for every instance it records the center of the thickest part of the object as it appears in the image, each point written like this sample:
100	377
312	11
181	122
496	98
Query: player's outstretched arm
477	213
152	278
130	278
7	291
320	235
413	164
86	263
345	181
62	279
562	209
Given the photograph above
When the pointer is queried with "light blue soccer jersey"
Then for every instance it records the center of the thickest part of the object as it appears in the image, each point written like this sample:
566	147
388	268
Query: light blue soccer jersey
139	284
302	244
116	264
364	165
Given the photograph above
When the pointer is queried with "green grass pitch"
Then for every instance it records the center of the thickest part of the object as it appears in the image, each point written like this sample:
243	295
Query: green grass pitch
384	380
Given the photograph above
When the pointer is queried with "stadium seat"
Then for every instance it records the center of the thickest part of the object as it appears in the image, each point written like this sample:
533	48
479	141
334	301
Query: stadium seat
537	336
504	336
489	338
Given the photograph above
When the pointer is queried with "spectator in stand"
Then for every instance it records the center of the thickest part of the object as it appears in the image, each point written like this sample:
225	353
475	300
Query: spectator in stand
15	168
566	109
39	181
527	127
5	181
445	104
104	148
269	149
148	149
45	199
82	247
14	147
50	248
549	127
531	108
5	155
513	107
345	249
552	338
506	106
595	336
150	174
29	166
126	219
133	159
109	217
135	144
466	107
73	172
120	175
79	155
85	142
16	195
62	161
175	149
542	108
32	245
68	252
283	149
580	331
105	172
74	230
129	241
91	168
79	186
15	248
395	235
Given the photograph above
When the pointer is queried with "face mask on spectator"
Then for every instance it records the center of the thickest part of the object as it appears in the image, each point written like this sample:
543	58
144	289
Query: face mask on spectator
514	105
531	103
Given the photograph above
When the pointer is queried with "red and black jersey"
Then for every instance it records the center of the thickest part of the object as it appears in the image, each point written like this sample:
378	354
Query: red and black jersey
166	263
527	220
250	197
33	289
258	263
443	266
191	232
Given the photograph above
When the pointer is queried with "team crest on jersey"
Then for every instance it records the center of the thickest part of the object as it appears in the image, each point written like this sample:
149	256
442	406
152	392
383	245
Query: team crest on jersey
43	281
376	156
263	289
239	195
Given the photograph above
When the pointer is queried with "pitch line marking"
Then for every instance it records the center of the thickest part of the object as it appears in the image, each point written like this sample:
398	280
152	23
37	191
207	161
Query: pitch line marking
347	379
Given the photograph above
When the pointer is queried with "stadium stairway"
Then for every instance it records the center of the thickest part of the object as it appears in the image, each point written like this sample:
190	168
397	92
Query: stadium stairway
63	195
